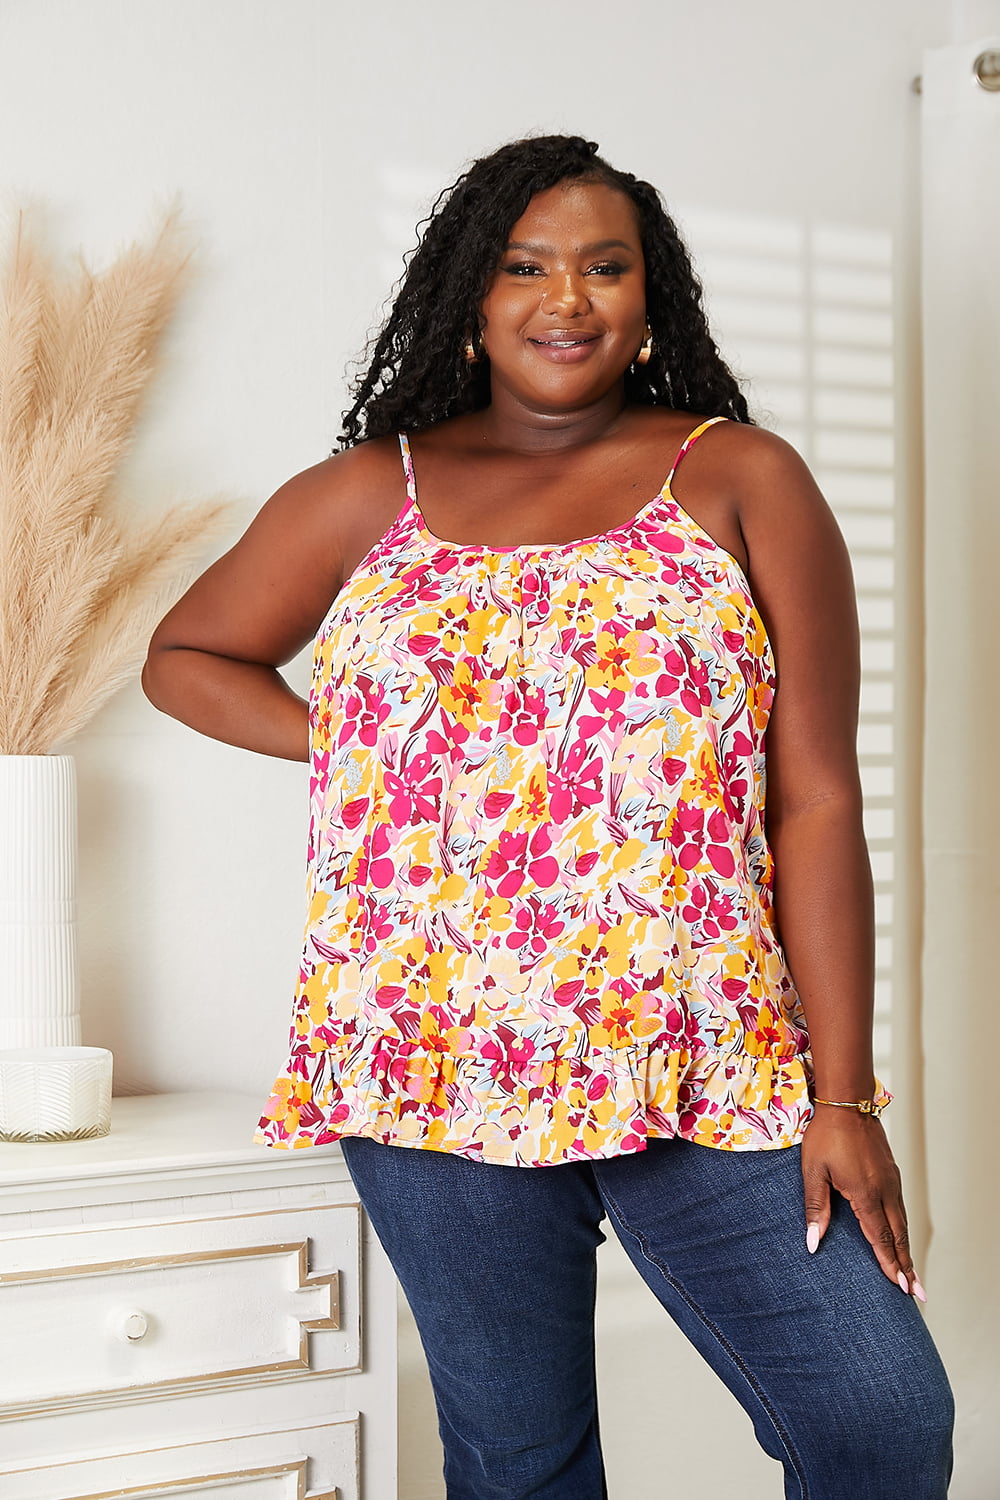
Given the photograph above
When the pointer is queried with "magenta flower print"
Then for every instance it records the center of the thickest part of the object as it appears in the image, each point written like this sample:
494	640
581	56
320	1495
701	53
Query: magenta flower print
543	866
696	694
576	783
374	865
688	833
536	926
524	713
505	865
669	680
319	778
607	715
364	711
414	794
507	1055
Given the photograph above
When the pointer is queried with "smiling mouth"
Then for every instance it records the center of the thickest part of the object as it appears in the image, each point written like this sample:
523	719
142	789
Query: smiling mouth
573	342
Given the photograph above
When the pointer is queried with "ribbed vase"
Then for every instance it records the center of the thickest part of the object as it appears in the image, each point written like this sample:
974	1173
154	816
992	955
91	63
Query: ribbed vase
39	982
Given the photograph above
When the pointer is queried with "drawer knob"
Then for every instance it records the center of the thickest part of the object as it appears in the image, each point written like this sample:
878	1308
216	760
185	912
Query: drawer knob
134	1326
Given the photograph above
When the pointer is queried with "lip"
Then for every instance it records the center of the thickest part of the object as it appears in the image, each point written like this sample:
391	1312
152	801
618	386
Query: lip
565	348
565	336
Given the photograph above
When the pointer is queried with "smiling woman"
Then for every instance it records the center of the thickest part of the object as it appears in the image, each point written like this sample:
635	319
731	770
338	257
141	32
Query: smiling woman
564	299
559	942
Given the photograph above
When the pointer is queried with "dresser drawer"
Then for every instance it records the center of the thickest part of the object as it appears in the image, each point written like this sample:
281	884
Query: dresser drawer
305	1463
178	1305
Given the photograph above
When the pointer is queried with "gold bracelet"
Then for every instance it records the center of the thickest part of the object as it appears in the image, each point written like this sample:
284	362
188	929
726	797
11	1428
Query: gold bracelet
873	1107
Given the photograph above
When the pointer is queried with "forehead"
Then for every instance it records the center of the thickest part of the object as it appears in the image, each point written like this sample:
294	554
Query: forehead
578	213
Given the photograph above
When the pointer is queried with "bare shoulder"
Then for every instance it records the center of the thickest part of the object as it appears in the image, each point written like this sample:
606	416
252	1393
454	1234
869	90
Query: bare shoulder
799	568
344	482
769	489
265	598
344	503
766	476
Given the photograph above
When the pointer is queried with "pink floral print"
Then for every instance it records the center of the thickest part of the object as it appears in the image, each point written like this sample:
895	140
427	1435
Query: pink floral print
540	923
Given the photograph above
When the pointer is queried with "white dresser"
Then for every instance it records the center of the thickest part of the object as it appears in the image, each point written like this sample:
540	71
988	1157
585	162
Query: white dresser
183	1313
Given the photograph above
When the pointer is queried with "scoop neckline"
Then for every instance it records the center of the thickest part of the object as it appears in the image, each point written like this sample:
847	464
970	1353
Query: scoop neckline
546	548
534	548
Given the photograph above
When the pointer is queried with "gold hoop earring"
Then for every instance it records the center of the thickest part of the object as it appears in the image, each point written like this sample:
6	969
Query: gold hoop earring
474	356
645	349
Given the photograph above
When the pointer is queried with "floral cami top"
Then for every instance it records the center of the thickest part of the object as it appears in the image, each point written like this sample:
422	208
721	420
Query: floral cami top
540	923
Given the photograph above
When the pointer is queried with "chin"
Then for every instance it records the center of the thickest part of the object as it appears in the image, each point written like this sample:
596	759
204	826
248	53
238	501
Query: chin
566	390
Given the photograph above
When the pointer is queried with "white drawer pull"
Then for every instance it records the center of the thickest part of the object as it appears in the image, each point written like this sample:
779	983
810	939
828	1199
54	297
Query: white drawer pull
133	1327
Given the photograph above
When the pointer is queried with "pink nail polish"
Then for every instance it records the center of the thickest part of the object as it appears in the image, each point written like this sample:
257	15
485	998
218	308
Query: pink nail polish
901	1278
812	1238
918	1290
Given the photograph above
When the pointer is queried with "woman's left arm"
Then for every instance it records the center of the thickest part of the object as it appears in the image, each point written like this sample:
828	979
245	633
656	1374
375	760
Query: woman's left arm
800	576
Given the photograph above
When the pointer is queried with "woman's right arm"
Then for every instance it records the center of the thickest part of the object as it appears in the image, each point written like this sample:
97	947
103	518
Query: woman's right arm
213	660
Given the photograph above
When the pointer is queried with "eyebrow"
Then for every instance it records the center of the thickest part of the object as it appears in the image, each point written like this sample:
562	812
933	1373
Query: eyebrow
593	249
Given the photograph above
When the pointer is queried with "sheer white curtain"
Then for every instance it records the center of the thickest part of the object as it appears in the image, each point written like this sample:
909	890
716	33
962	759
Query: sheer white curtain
961	960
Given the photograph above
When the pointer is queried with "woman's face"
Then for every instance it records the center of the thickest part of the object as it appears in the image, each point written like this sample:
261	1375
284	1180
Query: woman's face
565	311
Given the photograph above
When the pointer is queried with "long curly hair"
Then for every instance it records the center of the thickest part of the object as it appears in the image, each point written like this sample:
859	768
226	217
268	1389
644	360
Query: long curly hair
417	370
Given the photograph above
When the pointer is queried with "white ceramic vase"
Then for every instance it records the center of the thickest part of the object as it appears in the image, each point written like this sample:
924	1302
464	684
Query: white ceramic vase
39	983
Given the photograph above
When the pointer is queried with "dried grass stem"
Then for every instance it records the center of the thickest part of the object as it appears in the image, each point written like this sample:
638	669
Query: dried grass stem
81	588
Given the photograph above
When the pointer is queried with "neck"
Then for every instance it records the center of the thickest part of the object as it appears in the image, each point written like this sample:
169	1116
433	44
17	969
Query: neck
507	424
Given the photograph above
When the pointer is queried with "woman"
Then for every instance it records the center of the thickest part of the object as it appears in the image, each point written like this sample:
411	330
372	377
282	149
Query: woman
542	952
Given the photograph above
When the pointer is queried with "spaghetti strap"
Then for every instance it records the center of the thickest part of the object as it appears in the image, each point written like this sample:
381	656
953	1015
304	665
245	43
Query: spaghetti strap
407	457
689	442
409	505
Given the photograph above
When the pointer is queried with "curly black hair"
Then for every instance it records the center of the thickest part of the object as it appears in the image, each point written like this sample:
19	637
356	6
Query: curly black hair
418	373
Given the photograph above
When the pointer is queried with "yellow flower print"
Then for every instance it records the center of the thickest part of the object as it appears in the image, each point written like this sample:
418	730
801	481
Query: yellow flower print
729	617
625	1020
493	916
707	779
604	601
480	625
427	623
770	1035
534	805
620	660
287	1095
469	699
628	856
762	699
567	969
603	1110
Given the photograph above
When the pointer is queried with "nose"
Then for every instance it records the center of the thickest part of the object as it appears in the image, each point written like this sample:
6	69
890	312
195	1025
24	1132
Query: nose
566	295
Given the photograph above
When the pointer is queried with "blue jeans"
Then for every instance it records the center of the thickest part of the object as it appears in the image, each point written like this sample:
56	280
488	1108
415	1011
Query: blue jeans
831	1360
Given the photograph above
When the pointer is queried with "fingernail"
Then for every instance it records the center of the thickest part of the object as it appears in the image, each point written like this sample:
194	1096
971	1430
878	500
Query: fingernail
918	1290
901	1278
812	1238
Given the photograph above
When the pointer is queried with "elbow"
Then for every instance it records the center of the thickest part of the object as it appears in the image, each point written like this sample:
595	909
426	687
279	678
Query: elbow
835	806
146	682
153	676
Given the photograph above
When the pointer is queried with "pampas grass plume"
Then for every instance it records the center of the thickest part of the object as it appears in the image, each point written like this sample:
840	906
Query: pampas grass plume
81	586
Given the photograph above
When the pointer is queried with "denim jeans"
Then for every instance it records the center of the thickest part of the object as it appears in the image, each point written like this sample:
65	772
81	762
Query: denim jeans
831	1360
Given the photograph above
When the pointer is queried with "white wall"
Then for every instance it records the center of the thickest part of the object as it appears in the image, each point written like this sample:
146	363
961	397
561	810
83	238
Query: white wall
305	138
